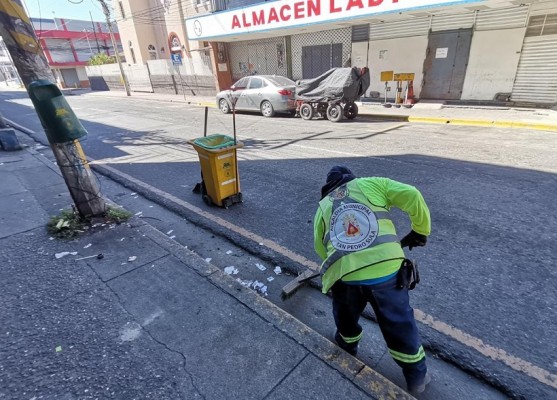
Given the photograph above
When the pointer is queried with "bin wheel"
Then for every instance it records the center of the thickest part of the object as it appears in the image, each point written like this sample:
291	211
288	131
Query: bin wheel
267	109
351	111
207	200
227	203
306	111
334	112
224	106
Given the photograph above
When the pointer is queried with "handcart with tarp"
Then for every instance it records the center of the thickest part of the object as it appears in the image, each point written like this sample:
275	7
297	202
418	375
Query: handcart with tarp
332	95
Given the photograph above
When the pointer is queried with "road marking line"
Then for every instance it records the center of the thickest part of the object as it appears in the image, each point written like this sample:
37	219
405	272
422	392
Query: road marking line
477	344
487	350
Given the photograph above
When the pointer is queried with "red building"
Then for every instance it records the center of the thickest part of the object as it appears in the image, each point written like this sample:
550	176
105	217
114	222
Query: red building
69	44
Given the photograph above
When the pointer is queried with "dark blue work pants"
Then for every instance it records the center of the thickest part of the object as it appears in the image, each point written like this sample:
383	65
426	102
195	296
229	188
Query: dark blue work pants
396	321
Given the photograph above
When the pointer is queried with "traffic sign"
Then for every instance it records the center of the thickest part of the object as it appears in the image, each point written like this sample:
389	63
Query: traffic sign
176	58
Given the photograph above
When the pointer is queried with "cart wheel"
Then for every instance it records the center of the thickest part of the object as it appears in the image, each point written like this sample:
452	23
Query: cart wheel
334	113
351	111
207	200
306	111
240	198
267	109
224	106
227	203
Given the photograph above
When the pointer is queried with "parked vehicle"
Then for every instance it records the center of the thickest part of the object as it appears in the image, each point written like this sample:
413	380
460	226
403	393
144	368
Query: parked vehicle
332	94
269	94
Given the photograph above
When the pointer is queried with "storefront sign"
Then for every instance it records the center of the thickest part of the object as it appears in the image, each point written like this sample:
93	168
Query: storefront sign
295	13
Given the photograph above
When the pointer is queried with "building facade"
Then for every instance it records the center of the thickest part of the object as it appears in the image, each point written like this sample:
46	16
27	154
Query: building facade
487	50
8	73
69	44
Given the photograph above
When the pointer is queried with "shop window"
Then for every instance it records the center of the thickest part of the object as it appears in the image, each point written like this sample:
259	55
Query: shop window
542	25
152	52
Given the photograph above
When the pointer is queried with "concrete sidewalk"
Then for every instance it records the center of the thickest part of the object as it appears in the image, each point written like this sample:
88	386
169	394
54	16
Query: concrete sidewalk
422	112
151	320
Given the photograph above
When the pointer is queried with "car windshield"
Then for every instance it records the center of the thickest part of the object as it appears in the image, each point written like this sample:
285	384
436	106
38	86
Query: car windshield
280	81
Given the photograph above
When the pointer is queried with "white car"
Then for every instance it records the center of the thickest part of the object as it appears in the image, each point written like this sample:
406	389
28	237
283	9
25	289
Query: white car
268	94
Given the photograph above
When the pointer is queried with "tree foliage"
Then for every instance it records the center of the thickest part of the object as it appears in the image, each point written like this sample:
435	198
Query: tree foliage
101	59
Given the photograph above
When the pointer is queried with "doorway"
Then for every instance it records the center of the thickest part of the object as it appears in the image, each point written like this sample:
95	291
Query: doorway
445	64
317	60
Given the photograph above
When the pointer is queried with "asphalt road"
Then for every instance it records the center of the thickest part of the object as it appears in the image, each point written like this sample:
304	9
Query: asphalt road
487	270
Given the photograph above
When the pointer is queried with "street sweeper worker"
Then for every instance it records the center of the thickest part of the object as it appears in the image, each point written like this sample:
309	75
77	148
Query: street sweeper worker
362	258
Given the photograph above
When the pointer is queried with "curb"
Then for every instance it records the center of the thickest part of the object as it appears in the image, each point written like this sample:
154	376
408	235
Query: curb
362	376
417	119
464	122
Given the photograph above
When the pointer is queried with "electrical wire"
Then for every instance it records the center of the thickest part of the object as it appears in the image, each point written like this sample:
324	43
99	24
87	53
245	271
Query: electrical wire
40	19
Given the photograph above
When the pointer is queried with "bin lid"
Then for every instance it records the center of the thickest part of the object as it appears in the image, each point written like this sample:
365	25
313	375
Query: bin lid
216	141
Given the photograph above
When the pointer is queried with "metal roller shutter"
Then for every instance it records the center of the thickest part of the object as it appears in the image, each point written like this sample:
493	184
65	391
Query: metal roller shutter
339	40
536	77
515	17
398	29
261	57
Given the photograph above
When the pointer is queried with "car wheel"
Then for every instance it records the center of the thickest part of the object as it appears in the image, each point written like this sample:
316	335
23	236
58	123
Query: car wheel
334	112
351	111
224	106
306	111
267	109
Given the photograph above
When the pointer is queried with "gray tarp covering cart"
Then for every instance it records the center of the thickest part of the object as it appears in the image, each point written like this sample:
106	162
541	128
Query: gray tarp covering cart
332	94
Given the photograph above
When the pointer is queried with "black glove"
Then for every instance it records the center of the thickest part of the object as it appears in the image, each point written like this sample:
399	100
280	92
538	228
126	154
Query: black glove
413	239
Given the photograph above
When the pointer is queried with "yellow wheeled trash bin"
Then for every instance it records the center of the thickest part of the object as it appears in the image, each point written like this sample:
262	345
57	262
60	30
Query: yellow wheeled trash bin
219	169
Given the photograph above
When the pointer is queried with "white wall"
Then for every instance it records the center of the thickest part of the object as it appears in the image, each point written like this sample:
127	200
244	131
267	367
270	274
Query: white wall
493	62
81	74
402	55
360	54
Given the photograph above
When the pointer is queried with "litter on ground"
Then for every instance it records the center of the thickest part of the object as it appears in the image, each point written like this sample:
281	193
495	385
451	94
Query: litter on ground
261	267
172	237
132	258
208	260
260	287
170	231
231	270
277	270
139	213
65	253
229	252
270	279
133	194
87	246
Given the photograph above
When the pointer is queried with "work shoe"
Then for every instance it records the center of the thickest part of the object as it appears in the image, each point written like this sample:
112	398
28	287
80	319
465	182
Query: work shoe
416	389
349	348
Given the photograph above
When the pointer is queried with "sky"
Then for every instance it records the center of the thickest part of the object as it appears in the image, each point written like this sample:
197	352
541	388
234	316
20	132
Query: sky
66	9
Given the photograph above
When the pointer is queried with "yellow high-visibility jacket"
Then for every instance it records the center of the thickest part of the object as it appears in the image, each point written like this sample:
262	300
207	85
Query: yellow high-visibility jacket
353	231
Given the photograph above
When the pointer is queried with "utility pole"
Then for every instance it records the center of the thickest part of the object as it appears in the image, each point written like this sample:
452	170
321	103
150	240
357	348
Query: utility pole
57	117
114	45
95	31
